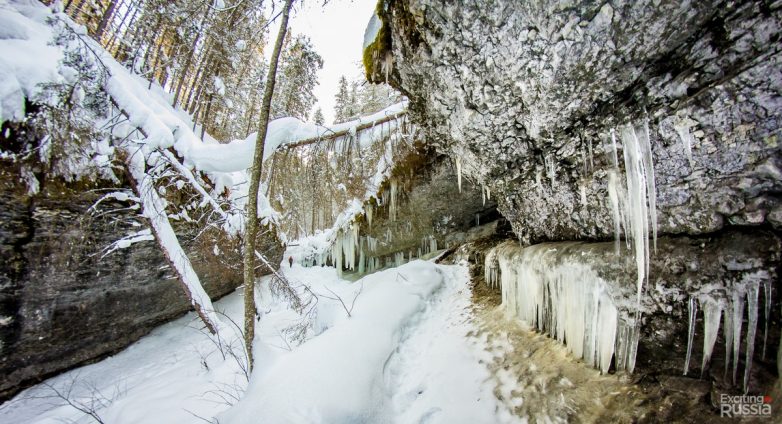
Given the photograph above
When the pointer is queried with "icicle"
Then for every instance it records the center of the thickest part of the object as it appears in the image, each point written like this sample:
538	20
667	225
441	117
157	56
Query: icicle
683	129
634	334
591	155
459	172
712	313
392	204
483	194
637	208
584	159
582	188
693	308
605	325
651	184
361	259
728	332
369	211
752	325
616	211
488	193
551	168
490	269
614	155
738	319
767	307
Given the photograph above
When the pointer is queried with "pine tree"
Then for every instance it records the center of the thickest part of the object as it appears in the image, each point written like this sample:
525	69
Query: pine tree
298	77
342	101
318	117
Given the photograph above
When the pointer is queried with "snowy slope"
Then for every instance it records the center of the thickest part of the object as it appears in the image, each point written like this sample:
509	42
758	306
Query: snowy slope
403	356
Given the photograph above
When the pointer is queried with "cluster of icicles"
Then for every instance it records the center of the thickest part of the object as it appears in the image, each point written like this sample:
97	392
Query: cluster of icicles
731	310
569	301
352	251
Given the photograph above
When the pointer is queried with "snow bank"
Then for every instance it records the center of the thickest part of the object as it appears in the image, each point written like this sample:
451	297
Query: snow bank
338	377
26	59
238	154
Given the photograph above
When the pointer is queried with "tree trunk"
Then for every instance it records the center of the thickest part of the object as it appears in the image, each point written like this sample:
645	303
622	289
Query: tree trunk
189	59
252	202
104	21
154	211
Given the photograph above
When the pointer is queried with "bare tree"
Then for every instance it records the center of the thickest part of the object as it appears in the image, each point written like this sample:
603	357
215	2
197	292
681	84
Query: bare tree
251	229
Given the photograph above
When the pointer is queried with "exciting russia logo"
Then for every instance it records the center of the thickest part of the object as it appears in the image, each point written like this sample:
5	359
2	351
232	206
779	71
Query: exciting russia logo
745	406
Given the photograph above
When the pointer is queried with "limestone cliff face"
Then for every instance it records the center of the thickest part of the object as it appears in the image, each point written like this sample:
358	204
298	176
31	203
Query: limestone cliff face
428	205
545	101
528	93
62	302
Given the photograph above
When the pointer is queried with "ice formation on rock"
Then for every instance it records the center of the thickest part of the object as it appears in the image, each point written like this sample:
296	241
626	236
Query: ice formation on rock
712	313
729	309
683	130
567	300
693	312
459	172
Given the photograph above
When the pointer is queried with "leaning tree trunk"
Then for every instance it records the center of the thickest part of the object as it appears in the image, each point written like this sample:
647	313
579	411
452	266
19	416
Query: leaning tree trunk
251	229
154	210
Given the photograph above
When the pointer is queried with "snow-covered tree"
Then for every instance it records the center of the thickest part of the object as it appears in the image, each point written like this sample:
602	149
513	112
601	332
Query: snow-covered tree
342	100
358	97
318	117
298	77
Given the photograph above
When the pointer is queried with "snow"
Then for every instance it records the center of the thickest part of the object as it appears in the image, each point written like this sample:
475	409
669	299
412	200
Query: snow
129	240
238	154
373	28
26	59
322	381
219	86
404	355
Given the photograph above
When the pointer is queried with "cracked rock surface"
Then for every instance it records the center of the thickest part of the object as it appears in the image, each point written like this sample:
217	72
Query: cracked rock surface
528	93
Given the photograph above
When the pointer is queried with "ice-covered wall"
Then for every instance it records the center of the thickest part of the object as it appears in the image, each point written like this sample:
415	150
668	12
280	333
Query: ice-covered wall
583	294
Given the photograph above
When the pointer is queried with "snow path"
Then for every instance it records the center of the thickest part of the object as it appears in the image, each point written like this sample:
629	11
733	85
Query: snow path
406	355
437	374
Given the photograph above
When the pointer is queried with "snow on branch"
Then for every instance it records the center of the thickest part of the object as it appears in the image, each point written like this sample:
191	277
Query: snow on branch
154	211
129	240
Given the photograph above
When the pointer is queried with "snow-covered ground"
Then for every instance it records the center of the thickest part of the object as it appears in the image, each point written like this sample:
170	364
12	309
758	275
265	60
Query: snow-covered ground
404	355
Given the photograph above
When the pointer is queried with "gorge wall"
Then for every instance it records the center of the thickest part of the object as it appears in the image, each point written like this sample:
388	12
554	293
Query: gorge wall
590	120
65	300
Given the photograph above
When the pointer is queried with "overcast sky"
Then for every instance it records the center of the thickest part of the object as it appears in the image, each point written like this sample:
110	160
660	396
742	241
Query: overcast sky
337	32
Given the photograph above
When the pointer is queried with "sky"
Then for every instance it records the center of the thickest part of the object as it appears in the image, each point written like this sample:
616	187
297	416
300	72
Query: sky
337	32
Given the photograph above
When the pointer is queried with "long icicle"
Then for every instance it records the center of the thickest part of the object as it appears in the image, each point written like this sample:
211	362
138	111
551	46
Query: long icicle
767	307
693	308
712	314
738	320
752	325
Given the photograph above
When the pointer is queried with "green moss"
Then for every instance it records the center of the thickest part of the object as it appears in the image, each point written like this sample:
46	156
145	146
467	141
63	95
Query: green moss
375	53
